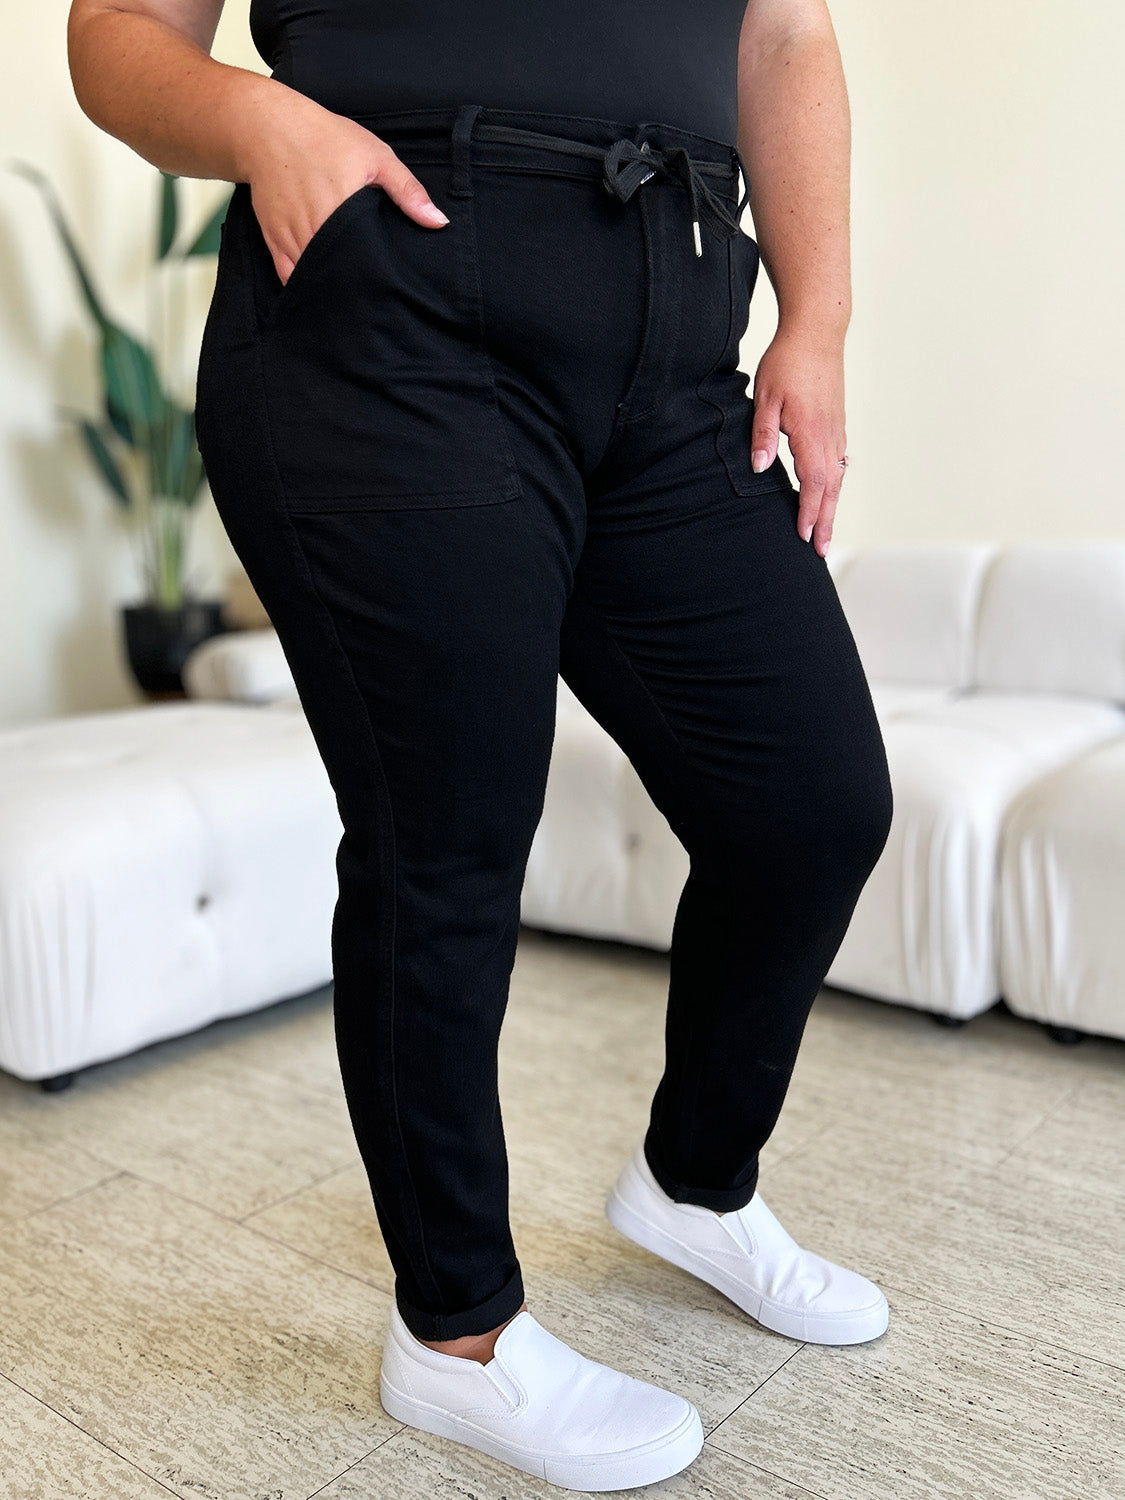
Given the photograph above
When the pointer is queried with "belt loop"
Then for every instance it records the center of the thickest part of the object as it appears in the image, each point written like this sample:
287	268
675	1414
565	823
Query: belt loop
461	180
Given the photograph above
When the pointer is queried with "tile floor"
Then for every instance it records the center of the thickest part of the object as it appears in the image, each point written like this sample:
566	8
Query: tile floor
193	1288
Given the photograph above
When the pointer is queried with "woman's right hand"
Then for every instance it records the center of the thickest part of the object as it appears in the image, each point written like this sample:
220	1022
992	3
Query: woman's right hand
304	161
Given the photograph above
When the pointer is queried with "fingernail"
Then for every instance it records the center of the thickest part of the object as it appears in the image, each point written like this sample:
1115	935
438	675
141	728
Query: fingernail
434	213
806	535
759	460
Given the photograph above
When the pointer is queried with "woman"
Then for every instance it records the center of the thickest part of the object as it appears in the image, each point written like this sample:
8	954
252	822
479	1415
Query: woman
471	414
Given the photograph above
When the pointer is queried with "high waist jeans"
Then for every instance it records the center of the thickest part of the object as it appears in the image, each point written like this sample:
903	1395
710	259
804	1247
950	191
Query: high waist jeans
456	463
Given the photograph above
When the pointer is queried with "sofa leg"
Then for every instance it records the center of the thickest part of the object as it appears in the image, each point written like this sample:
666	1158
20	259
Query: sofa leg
56	1084
1066	1036
941	1019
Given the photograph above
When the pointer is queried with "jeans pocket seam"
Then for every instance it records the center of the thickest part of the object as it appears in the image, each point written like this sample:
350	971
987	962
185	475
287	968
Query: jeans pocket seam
744	487
323	238
720	428
313	505
498	480
471	290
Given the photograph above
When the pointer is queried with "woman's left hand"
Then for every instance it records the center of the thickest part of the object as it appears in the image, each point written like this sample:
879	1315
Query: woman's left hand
799	390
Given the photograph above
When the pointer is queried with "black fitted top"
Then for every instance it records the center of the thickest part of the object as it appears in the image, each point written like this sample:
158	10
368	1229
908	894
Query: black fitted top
666	61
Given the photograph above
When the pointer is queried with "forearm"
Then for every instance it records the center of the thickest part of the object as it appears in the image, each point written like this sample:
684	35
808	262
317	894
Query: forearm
157	88
795	139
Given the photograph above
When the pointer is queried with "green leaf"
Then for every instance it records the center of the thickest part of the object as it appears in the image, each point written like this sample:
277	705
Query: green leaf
177	464
135	399
181	442
134	396
137	408
206	241
173	438
93	301
105	461
166	232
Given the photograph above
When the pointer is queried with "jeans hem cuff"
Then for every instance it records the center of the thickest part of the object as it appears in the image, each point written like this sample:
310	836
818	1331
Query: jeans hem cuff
722	1200
481	1318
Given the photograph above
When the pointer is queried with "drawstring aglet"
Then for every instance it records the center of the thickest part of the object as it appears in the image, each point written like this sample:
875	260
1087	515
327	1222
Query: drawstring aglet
698	237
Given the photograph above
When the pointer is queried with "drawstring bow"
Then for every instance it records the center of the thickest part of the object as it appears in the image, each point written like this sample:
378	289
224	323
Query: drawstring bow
626	166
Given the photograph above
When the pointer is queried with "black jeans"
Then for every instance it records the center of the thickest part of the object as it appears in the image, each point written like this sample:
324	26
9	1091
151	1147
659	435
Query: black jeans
456	463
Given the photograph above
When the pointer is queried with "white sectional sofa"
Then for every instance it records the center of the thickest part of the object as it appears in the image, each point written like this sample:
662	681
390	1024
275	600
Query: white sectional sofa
991	669
163	866
998	673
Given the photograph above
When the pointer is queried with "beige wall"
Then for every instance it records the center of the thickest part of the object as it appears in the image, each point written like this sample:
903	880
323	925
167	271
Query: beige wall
984	359
986	379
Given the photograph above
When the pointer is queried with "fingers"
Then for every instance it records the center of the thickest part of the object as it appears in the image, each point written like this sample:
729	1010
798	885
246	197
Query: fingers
822	531
821	478
410	195
318	196
799	390
813	479
818	473
765	433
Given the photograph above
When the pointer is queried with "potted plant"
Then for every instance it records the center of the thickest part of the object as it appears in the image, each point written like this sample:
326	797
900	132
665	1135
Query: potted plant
144	447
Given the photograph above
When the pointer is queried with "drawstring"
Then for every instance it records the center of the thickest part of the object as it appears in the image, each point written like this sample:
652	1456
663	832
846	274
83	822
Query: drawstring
625	166
628	165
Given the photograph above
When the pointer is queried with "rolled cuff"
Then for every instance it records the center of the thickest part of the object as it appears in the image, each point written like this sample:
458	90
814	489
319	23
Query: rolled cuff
483	1318
722	1200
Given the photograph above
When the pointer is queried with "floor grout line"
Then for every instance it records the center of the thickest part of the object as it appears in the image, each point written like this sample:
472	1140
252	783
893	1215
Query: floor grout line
402	1427
91	1187
138	1175
758	1469
1067	1095
226	1218
755	1391
990	1322
92	1436
261	1233
297	1191
317	1261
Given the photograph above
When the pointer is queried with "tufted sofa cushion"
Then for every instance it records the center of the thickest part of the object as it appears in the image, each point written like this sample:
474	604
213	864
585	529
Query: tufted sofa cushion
913	610
924	930
1062	895
1052	619
159	867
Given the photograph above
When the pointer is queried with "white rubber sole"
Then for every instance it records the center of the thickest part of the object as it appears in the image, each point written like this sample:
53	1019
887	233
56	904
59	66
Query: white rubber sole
597	1472
814	1328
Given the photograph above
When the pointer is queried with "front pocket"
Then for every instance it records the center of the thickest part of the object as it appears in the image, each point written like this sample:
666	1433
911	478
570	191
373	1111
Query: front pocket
318	245
725	387
378	381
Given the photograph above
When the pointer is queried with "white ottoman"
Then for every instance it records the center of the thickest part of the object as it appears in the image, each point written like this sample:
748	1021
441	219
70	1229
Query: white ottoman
1062	897
159	867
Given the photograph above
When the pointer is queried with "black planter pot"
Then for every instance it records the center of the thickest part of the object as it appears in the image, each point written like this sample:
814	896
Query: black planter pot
158	641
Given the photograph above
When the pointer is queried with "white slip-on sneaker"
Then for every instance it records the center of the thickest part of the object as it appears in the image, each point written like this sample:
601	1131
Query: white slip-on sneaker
748	1256
541	1407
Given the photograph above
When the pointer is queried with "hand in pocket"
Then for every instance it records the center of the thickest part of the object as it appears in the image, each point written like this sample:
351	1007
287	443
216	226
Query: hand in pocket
307	162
